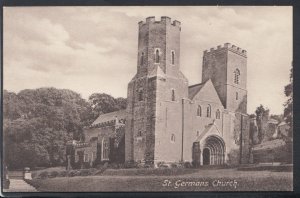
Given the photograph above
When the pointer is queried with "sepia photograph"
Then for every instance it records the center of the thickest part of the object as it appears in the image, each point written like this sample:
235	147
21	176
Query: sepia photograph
147	99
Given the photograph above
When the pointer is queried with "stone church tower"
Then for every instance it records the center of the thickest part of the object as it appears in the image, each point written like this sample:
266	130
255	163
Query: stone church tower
226	66
155	93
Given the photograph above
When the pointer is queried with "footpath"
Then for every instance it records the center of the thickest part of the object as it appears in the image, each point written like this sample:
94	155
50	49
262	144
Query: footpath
17	184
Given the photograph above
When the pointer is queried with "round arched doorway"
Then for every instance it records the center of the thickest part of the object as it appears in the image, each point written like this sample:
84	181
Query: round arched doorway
213	151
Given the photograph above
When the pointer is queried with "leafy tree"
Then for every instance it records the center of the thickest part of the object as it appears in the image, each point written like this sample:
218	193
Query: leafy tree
102	103
39	122
262	116
288	110
121	103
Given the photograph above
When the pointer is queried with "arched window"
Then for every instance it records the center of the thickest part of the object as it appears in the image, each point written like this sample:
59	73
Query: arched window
208	111
199	111
142	58
218	114
173	95
139	134
237	76
172	138
157	56
105	151
140	95
198	133
236	95
173	57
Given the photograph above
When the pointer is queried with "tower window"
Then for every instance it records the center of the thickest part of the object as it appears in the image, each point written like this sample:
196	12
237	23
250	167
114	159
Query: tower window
172	138
198	133
237	76
199	111
173	95
140	95
139	134
236	95
142	58
173	57
218	114
208	111
157	56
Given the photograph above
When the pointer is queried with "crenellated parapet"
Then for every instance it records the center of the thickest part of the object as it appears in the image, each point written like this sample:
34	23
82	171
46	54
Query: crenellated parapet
111	123
227	46
163	20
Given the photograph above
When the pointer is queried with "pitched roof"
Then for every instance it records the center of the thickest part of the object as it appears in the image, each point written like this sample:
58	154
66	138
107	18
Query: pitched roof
207	130
110	116
194	89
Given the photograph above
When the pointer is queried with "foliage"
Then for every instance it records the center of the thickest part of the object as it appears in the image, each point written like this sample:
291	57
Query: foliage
279	118
103	103
262	116
39	122
43	175
288	110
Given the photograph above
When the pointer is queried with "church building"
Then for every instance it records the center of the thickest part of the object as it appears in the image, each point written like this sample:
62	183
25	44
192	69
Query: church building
167	120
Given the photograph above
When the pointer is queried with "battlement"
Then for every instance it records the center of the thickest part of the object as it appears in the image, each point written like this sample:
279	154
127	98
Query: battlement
163	19
229	47
77	144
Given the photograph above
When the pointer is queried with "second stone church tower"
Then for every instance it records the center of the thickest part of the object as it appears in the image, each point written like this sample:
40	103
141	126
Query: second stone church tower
154	106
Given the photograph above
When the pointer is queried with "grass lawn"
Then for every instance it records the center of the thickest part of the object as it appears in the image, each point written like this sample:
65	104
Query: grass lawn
200	180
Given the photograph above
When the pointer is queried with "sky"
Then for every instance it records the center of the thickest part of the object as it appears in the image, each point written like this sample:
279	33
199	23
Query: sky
94	49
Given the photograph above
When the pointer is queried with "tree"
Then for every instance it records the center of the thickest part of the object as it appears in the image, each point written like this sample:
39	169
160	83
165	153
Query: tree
39	122
102	103
288	105
262	116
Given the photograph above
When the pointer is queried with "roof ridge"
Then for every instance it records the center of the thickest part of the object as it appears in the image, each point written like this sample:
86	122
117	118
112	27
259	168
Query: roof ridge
196	84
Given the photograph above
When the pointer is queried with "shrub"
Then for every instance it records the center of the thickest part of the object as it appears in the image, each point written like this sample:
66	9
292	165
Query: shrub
53	174
34	175
43	175
101	169
188	165
86	172
131	164
121	166
86	165
113	166
173	165
73	173
62	173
